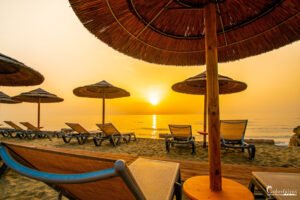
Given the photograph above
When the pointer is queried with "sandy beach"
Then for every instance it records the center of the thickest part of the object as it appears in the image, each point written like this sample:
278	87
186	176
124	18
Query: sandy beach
14	186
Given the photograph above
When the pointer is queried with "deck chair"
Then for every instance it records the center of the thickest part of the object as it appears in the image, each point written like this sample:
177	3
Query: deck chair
78	174
180	134
81	134
19	132
8	132
232	136
37	131
111	133
275	185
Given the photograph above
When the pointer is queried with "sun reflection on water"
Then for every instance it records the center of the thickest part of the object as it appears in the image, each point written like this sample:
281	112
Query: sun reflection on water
153	134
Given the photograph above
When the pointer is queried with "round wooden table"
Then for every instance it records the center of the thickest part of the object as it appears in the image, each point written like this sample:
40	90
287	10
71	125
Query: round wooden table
197	188
204	137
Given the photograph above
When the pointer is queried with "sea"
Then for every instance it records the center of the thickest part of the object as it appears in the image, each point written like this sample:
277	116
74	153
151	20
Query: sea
277	127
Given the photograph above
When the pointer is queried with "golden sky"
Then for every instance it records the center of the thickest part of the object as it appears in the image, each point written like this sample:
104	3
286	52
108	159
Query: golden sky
47	36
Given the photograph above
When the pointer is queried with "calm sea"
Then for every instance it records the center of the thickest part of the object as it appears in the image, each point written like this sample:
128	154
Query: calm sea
260	126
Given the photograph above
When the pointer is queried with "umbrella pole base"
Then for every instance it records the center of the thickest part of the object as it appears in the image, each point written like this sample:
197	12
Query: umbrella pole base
197	187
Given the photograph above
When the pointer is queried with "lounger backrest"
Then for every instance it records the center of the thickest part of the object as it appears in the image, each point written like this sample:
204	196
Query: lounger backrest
233	129
108	129
13	125
181	131
64	161
77	127
30	126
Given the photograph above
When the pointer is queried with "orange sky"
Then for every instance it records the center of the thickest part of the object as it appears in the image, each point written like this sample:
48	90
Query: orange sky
47	36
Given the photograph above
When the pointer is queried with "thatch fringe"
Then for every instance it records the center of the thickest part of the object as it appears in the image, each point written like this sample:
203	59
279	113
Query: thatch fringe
176	36
15	73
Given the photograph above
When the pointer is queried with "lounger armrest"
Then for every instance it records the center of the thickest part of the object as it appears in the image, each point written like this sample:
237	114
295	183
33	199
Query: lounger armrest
52	177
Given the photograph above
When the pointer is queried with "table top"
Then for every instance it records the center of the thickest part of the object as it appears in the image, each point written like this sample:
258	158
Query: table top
197	187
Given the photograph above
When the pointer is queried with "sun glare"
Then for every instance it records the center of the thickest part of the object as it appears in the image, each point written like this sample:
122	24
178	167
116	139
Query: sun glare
153	98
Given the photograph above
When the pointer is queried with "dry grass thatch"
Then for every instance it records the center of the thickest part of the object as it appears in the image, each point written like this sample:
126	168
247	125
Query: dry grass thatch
4	98
102	89
172	32
197	85
38	96
15	73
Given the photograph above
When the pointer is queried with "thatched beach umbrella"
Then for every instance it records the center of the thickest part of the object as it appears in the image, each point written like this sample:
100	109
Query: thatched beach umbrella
38	96
102	90
197	85
193	32
4	98
15	73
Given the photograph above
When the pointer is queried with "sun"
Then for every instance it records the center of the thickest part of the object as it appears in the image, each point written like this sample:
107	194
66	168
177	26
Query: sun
153	98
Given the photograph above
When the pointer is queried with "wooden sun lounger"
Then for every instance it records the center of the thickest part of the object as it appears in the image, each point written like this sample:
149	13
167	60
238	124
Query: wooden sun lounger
39	133
111	133
8	132
180	134
276	185
81	134
84	175
19	132
233	134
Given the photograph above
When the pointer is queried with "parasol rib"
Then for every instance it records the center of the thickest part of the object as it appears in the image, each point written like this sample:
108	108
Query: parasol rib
154	18
221	21
133	36
225	30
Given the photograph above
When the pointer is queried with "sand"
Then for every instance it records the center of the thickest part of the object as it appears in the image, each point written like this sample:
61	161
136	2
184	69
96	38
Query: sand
14	186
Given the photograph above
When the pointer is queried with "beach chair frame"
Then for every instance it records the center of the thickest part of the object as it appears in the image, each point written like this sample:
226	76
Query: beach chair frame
114	137
79	132
183	139
19	132
31	129
24	167
238	143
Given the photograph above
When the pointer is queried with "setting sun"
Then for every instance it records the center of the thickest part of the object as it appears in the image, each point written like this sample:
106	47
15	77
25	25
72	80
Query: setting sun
154	98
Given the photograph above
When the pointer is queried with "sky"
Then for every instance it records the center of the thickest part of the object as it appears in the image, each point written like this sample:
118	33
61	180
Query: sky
48	36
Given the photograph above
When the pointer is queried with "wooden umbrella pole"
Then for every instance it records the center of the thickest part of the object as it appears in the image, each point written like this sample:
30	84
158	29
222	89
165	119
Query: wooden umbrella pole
103	110
205	113
39	109
213	97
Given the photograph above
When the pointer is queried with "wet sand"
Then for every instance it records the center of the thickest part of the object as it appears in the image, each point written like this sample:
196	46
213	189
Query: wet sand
14	186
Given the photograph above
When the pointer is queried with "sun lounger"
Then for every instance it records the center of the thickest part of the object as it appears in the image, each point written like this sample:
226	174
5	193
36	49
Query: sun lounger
81	134
86	175
38	132
8	132
111	133
19	132
232	136
180	134
276	185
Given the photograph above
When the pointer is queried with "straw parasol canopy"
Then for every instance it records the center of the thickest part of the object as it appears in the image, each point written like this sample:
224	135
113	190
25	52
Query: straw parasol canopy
197	85
4	98
15	73
38	96
172	32
103	90
193	32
